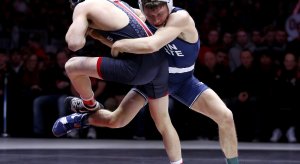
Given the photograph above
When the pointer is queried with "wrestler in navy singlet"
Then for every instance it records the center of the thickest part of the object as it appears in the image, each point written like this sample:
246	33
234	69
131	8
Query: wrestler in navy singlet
182	55
149	72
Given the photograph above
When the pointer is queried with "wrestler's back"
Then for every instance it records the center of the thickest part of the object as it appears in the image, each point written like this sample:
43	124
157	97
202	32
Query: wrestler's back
103	15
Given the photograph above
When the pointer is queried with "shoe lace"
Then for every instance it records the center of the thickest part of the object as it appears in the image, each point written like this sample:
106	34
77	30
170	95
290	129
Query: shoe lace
77	104
76	121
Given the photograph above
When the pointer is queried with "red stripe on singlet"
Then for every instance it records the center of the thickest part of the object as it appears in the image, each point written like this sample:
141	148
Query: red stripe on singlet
147	30
99	62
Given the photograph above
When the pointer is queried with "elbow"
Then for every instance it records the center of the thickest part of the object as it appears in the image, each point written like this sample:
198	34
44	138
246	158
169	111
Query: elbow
75	46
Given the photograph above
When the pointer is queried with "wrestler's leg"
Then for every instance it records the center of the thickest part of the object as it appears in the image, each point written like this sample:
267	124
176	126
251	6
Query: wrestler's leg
210	104
79	69
127	110
160	115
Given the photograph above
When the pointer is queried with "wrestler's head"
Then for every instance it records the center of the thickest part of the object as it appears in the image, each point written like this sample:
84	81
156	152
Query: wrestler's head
156	11
73	3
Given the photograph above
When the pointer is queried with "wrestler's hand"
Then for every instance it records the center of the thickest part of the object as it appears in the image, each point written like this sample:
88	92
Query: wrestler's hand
94	34
117	48
88	31
97	36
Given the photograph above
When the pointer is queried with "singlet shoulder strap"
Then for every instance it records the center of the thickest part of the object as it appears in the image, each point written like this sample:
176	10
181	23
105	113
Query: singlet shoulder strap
126	8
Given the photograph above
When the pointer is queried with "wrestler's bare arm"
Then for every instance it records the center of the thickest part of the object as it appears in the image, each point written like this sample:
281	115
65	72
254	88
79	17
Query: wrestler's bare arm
90	14
175	26
75	36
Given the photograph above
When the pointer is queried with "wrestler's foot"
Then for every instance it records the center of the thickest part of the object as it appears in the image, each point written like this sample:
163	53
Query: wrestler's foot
66	124
76	105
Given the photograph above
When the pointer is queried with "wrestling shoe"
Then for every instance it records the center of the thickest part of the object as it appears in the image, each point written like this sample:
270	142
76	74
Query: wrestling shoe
76	105
68	123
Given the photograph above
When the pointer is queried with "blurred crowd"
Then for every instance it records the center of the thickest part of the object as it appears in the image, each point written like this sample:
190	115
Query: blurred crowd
245	56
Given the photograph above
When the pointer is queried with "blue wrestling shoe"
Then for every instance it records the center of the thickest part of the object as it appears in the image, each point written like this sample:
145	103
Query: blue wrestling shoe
66	124
76	105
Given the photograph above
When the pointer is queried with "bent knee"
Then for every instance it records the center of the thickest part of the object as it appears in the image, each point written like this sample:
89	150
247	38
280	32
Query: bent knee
71	65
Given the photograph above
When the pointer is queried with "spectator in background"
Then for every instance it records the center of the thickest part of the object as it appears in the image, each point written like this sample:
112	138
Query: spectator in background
285	99
16	63
242	42
226	20
30	79
15	75
56	87
244	96
3	68
3	74
293	46
213	74
268	41
35	45
269	37
274	42
30	89
266	76
280	45
257	40
222	58
212	44
227	41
